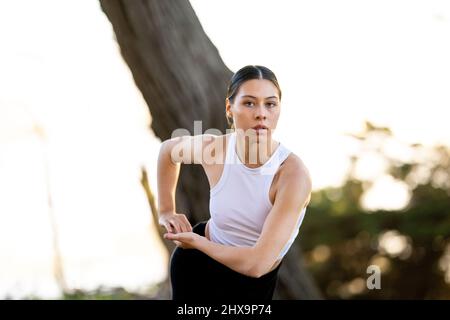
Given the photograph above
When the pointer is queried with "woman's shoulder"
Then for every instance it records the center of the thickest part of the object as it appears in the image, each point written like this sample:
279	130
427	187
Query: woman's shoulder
293	168
295	176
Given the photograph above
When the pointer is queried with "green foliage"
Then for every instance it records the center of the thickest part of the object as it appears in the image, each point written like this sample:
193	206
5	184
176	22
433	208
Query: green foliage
411	246
103	293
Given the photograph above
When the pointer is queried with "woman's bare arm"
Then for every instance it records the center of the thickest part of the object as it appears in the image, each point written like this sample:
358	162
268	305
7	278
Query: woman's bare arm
167	177
173	152
292	196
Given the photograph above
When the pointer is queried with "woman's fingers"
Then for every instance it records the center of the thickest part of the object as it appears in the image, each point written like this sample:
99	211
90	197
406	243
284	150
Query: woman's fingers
175	222
183	240
172	237
182	237
187	224
184	226
168	227
183	223
176	225
168	236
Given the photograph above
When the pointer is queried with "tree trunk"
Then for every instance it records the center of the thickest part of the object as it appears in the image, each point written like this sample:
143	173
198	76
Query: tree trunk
183	79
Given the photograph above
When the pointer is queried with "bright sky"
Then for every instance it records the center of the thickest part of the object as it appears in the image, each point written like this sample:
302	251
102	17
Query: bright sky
338	64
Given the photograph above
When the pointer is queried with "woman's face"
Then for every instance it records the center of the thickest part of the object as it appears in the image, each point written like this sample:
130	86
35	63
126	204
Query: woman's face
256	103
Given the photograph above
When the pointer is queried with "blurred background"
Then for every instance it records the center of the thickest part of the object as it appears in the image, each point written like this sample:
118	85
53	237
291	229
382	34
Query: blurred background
89	89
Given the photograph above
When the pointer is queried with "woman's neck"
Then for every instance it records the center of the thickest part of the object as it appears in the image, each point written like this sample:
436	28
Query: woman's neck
253	151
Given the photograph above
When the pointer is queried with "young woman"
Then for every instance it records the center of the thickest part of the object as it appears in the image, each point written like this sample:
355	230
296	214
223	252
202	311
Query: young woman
259	191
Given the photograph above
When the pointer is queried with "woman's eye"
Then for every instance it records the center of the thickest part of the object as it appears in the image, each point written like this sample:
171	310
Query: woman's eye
270	104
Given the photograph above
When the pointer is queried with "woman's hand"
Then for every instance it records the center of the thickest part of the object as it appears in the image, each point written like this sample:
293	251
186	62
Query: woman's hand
185	240
174	222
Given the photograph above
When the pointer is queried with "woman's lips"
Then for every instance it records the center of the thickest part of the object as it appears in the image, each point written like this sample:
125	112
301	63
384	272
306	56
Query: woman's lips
260	129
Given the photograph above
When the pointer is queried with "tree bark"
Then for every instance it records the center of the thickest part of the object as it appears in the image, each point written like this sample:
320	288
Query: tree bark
183	79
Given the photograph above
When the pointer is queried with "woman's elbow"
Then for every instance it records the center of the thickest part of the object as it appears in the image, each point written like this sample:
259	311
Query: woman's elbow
254	273
258	270
261	264
251	267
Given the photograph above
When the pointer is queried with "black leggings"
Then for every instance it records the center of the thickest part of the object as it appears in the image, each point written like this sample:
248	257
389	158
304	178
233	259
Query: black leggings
195	276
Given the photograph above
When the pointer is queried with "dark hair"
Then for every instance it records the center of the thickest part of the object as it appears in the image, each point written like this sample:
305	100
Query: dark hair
249	72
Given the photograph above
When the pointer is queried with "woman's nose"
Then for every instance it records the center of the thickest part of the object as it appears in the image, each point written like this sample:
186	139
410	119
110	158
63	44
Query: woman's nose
261	113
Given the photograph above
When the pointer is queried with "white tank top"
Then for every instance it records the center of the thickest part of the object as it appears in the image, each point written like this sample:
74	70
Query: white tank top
239	202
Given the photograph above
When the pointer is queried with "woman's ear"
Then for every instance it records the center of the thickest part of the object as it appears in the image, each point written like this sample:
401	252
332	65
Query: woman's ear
227	108
227	105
